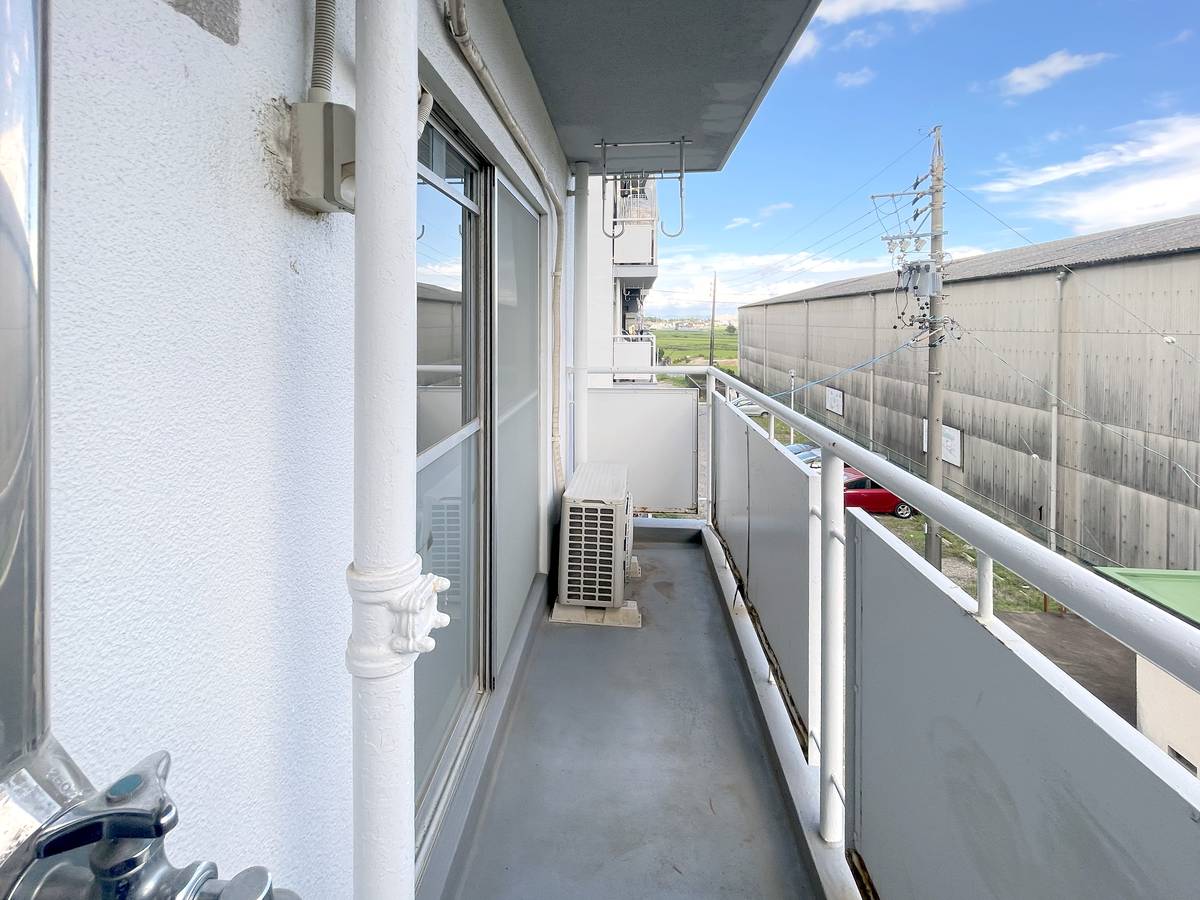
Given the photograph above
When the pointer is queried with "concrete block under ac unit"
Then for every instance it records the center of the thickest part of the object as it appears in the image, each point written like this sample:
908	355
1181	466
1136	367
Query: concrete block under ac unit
596	538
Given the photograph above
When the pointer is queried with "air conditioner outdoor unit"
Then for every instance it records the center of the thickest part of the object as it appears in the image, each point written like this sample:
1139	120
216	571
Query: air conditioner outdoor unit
597	536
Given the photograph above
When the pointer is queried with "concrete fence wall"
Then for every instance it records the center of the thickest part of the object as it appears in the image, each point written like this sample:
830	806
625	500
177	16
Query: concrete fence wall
1118	503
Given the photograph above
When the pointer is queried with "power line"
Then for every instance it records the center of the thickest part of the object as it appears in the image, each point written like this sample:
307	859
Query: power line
1191	476
1167	338
767	267
854	193
850	196
907	345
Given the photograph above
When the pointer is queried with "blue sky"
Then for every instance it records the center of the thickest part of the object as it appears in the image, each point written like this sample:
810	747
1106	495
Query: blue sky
1061	117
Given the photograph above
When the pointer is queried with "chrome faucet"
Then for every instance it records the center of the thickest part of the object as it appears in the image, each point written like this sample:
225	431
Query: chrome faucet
110	846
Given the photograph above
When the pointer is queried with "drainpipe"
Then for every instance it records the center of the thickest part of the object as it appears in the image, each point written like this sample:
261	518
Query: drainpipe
874	353
456	18
1055	382
393	605
579	380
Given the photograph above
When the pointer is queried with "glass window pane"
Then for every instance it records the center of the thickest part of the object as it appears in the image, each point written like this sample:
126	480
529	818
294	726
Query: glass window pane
447	510
445	321
436	153
517	405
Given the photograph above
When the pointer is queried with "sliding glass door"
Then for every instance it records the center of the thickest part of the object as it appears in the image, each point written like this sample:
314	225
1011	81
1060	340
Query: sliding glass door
450	287
479	427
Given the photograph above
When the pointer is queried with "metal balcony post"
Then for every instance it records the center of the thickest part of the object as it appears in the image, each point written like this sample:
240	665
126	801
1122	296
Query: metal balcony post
833	647
983	582
710	391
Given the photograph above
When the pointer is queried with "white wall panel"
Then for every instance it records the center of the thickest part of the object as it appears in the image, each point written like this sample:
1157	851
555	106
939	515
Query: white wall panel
784	580
976	768
731	484
652	430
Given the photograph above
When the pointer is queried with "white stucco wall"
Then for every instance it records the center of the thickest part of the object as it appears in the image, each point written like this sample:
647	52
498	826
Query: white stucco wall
201	363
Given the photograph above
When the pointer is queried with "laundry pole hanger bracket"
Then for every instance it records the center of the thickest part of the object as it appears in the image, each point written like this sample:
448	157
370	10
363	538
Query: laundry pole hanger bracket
640	177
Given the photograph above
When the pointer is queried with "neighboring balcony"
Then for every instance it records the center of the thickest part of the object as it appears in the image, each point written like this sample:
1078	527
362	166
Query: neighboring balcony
635	228
809	706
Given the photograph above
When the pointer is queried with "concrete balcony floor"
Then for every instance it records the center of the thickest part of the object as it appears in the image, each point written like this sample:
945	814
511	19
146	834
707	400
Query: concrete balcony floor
635	764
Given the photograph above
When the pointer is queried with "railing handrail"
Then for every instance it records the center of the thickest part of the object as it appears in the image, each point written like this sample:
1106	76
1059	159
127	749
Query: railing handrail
1167	641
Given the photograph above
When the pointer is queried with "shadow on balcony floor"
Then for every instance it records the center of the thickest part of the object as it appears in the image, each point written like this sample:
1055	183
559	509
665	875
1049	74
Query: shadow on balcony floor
635	765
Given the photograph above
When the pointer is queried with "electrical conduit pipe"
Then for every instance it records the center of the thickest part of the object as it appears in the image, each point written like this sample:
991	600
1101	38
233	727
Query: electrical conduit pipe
579	325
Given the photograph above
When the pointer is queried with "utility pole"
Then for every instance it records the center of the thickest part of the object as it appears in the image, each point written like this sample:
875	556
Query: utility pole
712	323
937	340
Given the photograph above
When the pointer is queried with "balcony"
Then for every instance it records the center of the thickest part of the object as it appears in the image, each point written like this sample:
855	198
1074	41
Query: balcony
634	765
809	707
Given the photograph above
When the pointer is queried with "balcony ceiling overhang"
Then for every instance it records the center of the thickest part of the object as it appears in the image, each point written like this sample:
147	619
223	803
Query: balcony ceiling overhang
630	70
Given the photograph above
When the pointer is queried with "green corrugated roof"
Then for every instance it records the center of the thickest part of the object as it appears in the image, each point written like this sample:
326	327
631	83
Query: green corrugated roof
1176	589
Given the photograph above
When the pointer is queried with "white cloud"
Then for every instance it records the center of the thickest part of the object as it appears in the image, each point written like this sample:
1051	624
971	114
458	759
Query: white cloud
685	279
1040	75
767	211
805	48
737	222
857	78
1182	38
1174	139
835	12
1154	174
1130	201
865	37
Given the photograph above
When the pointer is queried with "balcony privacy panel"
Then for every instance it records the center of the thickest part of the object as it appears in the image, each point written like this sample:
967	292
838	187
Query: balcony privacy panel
515	538
731	482
976	768
652	430
784	584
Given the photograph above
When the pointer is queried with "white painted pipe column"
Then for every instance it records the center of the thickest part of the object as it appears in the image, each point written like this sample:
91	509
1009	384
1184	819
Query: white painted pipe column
984	585
394	605
579	380
710	391
833	647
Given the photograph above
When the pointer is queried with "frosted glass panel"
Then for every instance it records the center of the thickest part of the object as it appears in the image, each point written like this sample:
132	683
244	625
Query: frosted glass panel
447	510
517	395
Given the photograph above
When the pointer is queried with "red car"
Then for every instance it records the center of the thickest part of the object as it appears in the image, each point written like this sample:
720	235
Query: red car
862	492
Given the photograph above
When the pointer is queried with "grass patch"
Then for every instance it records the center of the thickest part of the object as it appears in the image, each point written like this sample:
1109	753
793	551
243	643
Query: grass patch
686	347
1010	592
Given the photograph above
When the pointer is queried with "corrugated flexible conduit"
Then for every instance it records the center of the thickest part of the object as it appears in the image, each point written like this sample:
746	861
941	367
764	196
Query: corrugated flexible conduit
456	19
320	84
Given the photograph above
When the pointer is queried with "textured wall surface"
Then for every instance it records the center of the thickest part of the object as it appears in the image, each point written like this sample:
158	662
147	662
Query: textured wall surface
201	436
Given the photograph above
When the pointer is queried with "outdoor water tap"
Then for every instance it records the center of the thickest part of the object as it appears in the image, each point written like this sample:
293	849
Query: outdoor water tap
109	846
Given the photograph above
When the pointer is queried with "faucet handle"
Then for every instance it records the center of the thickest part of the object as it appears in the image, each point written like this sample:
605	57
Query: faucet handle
136	805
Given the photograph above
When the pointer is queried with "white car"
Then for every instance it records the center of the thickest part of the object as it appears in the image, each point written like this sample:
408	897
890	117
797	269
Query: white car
748	407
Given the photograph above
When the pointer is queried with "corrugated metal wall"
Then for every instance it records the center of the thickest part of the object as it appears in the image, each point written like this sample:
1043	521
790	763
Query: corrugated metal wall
1118	503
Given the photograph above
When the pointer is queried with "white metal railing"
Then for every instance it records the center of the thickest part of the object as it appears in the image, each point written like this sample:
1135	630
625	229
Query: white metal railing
1165	640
